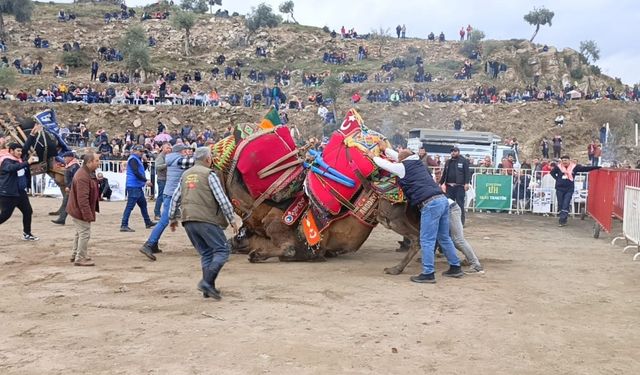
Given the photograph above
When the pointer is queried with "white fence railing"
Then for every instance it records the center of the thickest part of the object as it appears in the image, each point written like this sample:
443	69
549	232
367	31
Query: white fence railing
631	220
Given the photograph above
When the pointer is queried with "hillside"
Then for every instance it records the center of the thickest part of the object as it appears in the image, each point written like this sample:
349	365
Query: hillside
300	49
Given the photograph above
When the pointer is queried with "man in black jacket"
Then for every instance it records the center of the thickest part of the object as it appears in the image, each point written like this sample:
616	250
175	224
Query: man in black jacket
564	173
14	180
457	177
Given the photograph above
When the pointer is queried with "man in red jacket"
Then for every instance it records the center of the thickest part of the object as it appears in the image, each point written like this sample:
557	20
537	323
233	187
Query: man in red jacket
83	205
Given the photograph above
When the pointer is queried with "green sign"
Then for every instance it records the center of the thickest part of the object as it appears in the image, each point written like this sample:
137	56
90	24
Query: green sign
493	192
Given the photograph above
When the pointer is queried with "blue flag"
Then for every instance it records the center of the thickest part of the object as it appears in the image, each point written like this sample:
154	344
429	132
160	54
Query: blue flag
47	119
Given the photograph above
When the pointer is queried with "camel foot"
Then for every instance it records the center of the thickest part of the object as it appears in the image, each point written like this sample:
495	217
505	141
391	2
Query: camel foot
254	257
393	270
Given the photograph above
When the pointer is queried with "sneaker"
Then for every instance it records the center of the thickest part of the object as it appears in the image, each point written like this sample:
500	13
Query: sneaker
86	262
126	229
453	271
151	224
424	278
562	224
29	237
474	270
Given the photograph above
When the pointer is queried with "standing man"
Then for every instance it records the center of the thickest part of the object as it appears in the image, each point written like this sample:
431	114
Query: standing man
457	177
205	213
545	148
14	180
83	204
557	146
94	70
136	182
161	177
591	151
564	173
424	193
179	160
71	166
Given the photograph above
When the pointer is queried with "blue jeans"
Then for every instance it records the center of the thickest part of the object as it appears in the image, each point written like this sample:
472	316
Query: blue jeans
164	220
564	204
211	243
160	199
135	196
434	224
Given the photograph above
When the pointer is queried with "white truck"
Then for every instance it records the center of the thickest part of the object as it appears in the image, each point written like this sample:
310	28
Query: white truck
475	144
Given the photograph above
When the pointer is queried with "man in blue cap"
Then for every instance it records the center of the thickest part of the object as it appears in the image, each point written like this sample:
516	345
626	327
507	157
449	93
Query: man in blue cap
136	181
71	166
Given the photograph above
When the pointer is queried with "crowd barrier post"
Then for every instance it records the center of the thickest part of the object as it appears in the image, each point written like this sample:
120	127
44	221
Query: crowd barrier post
631	220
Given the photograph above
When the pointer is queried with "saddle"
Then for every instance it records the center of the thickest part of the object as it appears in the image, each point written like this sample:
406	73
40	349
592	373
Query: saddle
269	164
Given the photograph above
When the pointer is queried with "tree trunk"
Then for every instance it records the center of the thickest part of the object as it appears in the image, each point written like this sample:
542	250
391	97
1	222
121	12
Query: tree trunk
535	33
293	18
2	26
186	42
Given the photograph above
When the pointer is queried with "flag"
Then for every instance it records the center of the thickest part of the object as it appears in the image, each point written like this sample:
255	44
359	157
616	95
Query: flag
47	118
271	120
351	124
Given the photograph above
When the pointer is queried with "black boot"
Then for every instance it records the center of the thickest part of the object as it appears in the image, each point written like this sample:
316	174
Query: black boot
206	288
155	249
147	250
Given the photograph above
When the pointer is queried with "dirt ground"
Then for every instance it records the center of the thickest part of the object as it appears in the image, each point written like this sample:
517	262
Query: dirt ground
553	301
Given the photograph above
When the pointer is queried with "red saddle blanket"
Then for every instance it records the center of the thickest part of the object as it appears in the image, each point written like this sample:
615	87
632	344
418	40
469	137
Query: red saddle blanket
345	160
263	152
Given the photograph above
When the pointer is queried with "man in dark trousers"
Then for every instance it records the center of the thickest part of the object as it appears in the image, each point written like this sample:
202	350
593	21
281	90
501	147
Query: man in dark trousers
205	211
564	173
71	166
94	70
423	192
136	181
457	177
105	189
14	181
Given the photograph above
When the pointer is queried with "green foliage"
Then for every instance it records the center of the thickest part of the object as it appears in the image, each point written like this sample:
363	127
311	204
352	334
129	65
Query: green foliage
380	37
135	49
473	43
539	17
451	65
287	8
568	61
326	29
262	16
595	70
21	9
76	59
332	85
589	49
184	21
489	47
577	73
196	6
7	76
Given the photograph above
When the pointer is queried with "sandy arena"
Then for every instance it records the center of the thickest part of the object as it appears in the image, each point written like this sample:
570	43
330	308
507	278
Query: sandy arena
553	301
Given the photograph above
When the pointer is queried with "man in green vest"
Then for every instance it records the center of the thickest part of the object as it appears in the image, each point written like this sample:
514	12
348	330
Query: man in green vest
205	213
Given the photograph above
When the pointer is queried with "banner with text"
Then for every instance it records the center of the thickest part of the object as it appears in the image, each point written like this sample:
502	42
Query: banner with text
493	192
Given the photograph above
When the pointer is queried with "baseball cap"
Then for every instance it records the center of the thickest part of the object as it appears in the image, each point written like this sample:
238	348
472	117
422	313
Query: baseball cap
68	154
137	148
179	147
455	148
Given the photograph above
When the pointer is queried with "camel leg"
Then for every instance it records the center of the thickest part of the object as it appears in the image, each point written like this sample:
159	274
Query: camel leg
413	250
279	241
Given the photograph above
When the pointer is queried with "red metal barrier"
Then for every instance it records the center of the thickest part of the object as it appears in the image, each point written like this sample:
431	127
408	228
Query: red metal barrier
606	194
600	198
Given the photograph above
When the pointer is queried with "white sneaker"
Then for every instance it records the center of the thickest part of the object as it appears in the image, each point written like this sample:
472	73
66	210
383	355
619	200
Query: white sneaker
29	237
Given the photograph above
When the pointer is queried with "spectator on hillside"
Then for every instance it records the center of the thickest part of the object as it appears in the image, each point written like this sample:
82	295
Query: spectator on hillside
469	30
3	46
462	33
403	31
431	36
247	99
152	41
557	146
355	98
94	69
559	121
398	30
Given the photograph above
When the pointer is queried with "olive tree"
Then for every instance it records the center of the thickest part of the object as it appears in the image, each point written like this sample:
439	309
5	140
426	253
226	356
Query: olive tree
539	17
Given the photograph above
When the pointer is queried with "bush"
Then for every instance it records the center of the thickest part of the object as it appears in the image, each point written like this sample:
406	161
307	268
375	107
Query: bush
577	73
489	47
449	65
326	29
473	43
262	16
568	61
595	70
7	76
76	59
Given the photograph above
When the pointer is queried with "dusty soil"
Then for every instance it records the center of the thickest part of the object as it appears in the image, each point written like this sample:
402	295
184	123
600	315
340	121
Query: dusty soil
553	301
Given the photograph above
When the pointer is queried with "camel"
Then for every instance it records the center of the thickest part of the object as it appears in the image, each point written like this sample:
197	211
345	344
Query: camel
45	148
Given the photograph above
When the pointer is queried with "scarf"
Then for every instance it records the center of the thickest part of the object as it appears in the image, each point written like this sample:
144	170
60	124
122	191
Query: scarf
568	171
4	155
